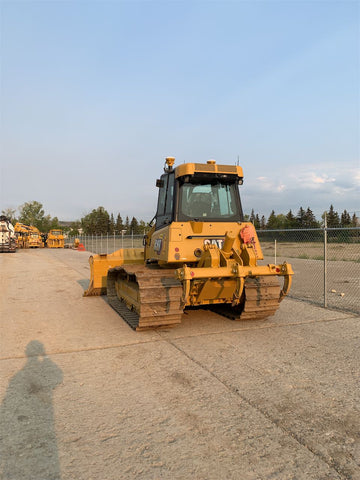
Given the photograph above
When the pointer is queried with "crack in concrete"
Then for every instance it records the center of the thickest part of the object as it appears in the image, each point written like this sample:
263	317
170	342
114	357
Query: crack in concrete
330	463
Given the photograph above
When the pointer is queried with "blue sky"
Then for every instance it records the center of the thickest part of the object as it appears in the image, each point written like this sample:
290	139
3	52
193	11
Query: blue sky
95	94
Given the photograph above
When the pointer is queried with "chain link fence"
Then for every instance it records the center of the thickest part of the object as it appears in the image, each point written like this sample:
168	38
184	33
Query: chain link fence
107	243
326	261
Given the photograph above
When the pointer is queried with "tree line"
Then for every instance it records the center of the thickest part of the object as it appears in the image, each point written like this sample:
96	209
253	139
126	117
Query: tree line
32	213
100	221
303	219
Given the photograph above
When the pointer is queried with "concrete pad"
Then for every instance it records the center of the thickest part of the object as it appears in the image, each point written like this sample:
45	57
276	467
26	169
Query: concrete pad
304	378
210	399
42	299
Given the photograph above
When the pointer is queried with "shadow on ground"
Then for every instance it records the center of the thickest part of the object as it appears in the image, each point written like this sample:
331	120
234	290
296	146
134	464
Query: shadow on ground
84	283
28	445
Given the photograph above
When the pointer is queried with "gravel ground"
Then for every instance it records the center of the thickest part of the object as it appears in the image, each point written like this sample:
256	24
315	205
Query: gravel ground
342	283
85	397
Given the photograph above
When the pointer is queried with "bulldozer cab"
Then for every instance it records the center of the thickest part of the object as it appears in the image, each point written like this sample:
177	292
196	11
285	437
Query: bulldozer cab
198	196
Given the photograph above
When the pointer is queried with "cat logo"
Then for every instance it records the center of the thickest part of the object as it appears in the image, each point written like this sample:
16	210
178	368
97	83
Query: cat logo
213	241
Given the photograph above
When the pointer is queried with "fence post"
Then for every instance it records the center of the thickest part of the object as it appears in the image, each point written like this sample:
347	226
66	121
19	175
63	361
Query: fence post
275	252
107	242
325	261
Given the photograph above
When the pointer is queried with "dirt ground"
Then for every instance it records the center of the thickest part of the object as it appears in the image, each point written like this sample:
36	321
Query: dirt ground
84	397
346	252
342	282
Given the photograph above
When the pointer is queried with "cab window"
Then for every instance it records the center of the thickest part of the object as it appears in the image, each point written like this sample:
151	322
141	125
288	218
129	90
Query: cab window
209	201
164	213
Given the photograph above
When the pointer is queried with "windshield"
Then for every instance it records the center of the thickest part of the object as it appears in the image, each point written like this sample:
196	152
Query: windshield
56	232
210	201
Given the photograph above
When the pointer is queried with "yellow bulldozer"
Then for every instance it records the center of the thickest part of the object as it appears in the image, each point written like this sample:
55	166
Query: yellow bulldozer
55	239
198	253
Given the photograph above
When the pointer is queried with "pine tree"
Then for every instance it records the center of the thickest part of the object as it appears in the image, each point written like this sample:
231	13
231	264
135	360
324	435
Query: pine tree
354	221
127	225
345	219
112	225
309	219
333	220
300	218
272	221
134	226
119	224
257	221
263	223
290	221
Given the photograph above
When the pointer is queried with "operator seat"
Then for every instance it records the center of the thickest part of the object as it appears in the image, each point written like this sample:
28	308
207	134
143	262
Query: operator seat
200	205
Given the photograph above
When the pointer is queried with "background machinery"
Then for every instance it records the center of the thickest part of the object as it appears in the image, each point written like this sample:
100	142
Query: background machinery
55	239
22	235
28	236
7	235
199	252
35	239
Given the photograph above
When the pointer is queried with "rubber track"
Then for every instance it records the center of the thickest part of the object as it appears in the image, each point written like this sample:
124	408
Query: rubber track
159	296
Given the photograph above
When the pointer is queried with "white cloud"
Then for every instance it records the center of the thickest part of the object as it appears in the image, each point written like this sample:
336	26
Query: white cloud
271	185
316	185
329	178
312	179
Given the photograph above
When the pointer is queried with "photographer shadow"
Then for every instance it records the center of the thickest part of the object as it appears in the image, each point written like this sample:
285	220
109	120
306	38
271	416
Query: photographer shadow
28	445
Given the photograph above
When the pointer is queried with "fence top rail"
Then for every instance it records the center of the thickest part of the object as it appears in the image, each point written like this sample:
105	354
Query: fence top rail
341	228
320	229
104	235
259	231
